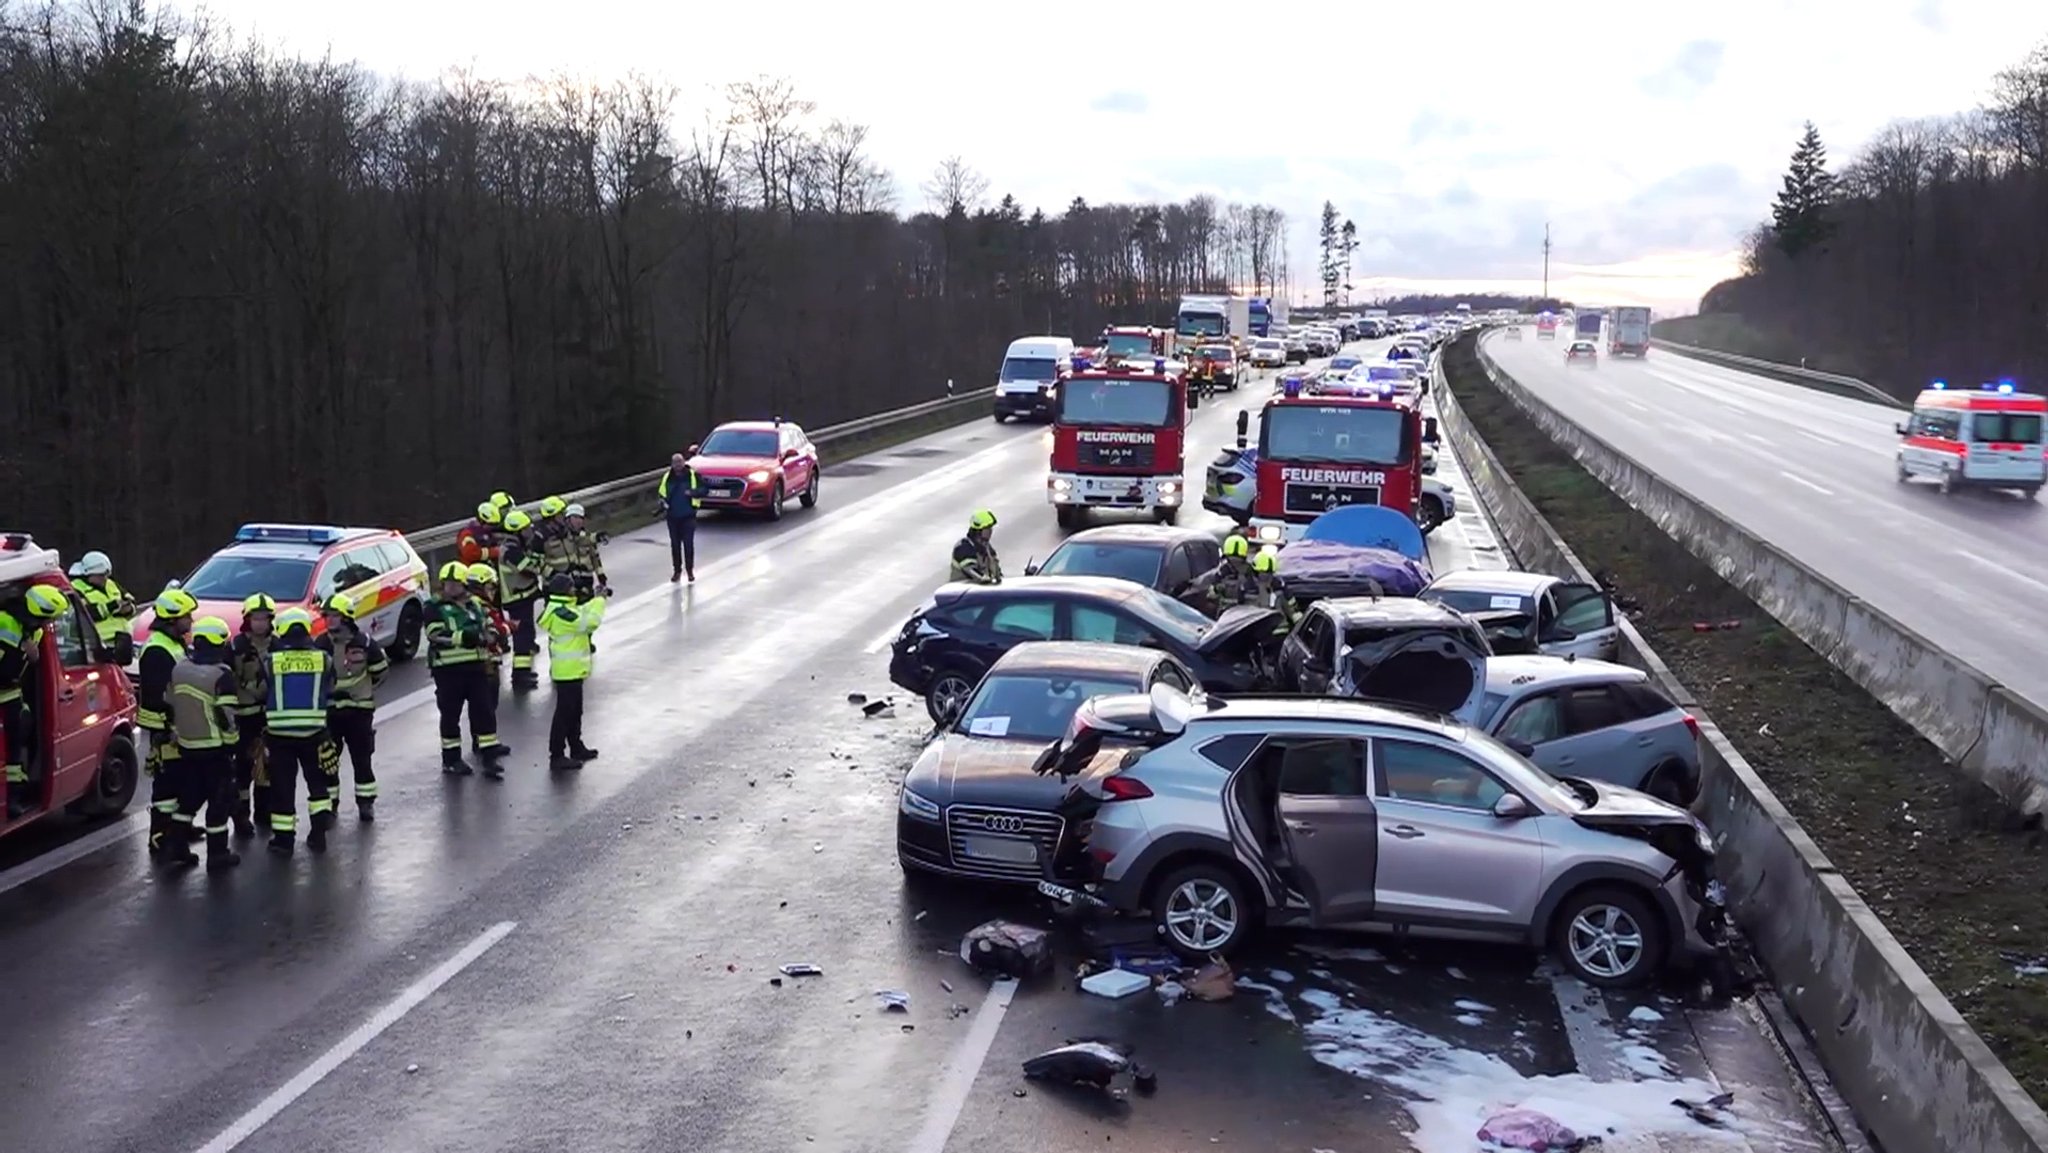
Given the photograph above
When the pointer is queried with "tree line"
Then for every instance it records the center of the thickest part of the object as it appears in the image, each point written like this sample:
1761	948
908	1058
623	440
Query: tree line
1924	257
240	285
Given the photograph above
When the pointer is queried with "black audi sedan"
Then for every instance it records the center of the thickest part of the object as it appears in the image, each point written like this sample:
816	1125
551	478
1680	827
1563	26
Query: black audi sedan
956	636
972	806
1159	556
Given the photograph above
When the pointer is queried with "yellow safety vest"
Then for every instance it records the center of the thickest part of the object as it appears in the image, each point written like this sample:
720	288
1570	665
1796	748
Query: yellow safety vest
152	719
202	701
105	604
667	476
15	635
568	626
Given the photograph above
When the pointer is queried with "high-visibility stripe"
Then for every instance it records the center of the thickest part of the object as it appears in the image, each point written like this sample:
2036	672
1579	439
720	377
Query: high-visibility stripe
320	805
366	790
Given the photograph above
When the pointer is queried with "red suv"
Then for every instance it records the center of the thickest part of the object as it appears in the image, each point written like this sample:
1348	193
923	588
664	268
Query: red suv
756	466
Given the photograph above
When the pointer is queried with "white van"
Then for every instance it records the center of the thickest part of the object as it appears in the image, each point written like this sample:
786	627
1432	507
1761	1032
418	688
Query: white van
1024	386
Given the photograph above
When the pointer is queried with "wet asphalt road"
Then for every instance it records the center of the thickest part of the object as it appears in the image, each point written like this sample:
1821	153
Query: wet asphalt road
585	962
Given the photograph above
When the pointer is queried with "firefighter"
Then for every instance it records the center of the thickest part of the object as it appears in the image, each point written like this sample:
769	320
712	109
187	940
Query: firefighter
974	557
359	667
21	647
1229	583
478	540
203	700
113	610
250	660
551	529
569	620
301	690
518	589
483	589
161	654
458	635
1268	592
587	556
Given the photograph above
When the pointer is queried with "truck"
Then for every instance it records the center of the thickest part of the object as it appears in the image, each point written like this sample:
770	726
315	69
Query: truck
1628	332
1240	318
1586	323
1265	314
1325	445
1118	434
1127	342
1546	326
1200	318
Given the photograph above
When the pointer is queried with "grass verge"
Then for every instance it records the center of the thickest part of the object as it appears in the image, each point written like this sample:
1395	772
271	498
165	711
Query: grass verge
1932	852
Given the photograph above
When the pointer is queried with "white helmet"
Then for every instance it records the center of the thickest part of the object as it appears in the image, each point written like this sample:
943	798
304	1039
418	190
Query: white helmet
93	564
574	510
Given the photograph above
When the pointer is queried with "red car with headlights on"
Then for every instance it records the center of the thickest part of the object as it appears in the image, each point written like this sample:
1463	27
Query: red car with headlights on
756	466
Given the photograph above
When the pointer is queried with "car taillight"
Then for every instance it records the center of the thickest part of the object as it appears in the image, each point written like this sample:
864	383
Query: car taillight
1124	789
1692	725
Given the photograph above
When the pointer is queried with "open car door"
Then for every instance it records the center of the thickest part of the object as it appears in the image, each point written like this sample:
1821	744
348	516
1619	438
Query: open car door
1584	625
1302	821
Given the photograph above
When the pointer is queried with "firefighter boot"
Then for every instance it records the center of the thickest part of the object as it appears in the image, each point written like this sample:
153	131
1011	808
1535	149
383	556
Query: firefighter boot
366	809
582	753
563	764
317	839
281	844
220	856
178	844
494	762
453	765
245	826
158	823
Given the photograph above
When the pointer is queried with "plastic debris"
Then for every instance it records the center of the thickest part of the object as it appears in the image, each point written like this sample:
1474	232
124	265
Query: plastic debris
412	1068
1707	1112
1115	983
1081	1063
801	969
855	699
1528	1129
1008	948
1170	991
877	708
893	1000
1213	982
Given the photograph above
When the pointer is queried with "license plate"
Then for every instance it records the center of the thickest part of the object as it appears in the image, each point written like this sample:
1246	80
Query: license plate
1058	893
997	849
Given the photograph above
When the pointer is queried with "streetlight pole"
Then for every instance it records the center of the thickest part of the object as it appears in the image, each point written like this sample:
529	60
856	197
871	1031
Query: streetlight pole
1546	262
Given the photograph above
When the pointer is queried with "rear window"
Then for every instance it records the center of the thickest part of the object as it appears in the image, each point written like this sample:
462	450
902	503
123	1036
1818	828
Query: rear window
1129	562
232	576
2010	427
1480	601
1030	368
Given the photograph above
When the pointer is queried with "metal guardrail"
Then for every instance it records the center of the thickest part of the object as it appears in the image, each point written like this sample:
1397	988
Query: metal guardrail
1716	356
442	536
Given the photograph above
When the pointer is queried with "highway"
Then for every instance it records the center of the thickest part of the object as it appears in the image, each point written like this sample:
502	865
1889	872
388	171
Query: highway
586	962
1814	473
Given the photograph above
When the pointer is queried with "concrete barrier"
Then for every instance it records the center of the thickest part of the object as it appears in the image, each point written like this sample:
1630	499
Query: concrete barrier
1918	1077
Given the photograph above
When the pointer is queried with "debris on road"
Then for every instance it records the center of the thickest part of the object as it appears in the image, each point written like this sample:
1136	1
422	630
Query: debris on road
1008	948
1170	992
1213	982
1528	1129
1081	1063
1115	983
413	1068
856	698
881	708
893	1000
1710	1112
800	969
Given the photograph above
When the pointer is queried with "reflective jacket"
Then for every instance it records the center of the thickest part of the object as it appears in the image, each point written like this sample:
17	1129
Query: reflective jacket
202	705
455	633
975	560
568	625
17	641
160	654
301	690
1224	586
680	509
250	659
557	549
584	553
113	610
359	666
519	568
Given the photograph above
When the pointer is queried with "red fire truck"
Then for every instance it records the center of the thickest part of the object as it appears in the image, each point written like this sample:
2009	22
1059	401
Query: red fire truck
1546	327
1135	342
1325	445
1118	432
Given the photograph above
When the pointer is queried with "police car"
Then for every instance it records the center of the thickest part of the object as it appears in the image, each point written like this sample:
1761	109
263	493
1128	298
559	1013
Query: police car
1988	437
304	564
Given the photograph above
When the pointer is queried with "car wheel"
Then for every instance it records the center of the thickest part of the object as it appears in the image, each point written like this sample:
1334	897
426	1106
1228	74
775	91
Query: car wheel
114	786
1948	482
1068	516
1167	515
1904	476
775	500
810	496
412	623
1429	513
1203	910
1000	418
1667	783
1609	937
947	695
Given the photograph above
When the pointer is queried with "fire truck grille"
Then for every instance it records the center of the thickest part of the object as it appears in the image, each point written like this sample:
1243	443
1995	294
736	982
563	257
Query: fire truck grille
1308	501
1099	455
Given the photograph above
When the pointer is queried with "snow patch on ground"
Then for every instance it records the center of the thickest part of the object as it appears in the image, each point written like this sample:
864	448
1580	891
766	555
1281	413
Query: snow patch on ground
1645	1062
1645	1013
1453	1091
1281	975
1474	1006
1276	1001
1471	1020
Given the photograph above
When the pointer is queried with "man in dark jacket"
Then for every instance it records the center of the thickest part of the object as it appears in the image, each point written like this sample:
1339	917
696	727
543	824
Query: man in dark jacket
681	496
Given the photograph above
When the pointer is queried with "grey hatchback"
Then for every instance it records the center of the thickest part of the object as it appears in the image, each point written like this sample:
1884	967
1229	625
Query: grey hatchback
1593	719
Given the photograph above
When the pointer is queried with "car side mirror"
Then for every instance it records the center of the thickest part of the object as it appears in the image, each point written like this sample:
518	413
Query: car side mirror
1510	807
1558	633
693	450
119	651
1194	400
789	454
1522	748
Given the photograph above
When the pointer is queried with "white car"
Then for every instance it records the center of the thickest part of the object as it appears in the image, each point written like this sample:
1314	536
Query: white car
1269	352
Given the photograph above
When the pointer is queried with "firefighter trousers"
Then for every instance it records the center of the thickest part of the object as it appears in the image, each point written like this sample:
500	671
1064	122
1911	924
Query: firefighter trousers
459	687
206	781
252	770
565	727
494	680
354	731
292	758
525	642
160	765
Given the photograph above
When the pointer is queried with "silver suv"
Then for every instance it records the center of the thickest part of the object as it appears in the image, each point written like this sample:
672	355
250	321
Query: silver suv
1346	814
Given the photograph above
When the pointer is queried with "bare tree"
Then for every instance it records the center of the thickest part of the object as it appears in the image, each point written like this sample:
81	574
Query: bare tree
954	186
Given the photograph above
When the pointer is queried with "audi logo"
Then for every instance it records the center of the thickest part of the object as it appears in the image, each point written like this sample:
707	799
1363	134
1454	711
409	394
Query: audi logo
996	823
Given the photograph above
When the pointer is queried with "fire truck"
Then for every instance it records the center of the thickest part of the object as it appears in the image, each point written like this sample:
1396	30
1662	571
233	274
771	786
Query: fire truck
1134	342
1546	327
1118	431
1325	445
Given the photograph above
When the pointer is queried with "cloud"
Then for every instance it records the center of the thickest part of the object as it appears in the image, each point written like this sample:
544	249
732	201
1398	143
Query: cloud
1691	71
1124	103
1928	15
1430	125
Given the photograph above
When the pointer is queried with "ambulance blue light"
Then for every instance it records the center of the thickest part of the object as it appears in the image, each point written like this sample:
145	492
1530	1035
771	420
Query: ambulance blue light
2005	386
1159	364
1291	387
1940	384
292	533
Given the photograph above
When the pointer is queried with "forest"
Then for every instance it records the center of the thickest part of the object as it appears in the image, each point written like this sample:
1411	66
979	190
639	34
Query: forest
236	285
1924	257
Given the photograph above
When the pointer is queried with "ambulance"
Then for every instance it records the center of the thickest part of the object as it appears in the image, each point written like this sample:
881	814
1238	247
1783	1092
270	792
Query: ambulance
1987	437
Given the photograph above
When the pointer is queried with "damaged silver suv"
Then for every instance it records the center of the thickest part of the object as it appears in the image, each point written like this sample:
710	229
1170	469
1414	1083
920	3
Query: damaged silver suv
1230	815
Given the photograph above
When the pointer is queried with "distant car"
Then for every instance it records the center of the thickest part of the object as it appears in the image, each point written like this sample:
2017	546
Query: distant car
756	466
1342	364
971	806
1297	348
1532	612
1593	719
1582	352
1154	555
1269	352
1514	332
302	565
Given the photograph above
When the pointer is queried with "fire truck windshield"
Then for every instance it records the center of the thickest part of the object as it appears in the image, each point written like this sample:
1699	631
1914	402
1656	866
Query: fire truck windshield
1144	403
1200	324
1338	434
1134	345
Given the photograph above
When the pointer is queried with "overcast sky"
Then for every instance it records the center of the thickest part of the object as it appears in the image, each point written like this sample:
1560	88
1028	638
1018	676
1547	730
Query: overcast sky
1649	134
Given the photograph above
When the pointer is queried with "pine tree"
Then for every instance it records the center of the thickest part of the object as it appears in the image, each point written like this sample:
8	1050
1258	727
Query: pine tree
1330	238
1348	245
1800	219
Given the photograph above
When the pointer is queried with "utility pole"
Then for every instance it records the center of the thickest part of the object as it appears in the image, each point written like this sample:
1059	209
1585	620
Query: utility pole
1546	262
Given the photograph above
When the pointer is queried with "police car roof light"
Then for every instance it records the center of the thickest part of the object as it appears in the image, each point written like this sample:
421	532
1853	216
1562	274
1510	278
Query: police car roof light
292	533
1291	386
1939	384
2005	386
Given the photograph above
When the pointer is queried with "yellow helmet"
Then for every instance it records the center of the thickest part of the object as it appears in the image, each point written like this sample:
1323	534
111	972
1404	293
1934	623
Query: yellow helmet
258	603
172	604
455	571
552	507
340	603
1236	545
1267	561
981	520
489	513
294	619
503	500
517	521
212	629
44	602
482	574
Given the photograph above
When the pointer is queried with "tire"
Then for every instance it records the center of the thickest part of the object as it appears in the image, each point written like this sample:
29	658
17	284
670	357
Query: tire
948	693
775	502
1233	911
412	624
115	783
2032	491
1948	482
1667	783
1587	912
1000	418
1167	515
1068	516
1429	514
1904	476
810	497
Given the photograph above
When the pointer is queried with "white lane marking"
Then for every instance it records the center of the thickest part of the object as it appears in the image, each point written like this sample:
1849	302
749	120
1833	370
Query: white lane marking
1760	438
268	1109
84	846
1795	478
1638	405
1596	1050
2005	569
958	1082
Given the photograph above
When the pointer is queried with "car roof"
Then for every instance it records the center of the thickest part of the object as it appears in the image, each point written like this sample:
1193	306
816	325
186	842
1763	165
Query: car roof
1511	675
752	425
1108	588
1495	580
1343	709
1390	610
1155	534
1077	658
303	549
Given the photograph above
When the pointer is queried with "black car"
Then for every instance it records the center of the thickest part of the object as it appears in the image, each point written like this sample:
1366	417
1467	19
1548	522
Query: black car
1400	649
953	639
972	806
1154	555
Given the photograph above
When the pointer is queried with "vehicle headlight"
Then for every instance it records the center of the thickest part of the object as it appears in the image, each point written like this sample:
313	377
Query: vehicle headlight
1168	488
1061	484
912	805
758	476
1269	532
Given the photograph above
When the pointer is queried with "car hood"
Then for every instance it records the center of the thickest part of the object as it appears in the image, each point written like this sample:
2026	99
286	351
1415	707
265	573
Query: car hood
1431	667
958	769
1617	806
1236	625
732	465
